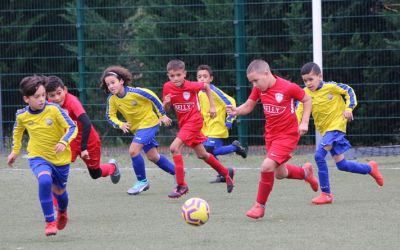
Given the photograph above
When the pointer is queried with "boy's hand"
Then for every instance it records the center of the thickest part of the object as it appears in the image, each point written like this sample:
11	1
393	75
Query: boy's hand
11	159
59	148
212	112
228	125
125	127
165	120
303	128
85	155
231	110
348	115
167	99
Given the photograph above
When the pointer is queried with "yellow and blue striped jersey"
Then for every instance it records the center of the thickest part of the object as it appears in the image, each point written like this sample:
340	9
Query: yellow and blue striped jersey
46	128
216	128
329	102
139	106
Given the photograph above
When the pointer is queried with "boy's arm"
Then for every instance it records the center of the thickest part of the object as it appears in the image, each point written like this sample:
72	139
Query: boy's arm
350	99
207	88
243	109
86	126
71	130
18	132
303	126
299	111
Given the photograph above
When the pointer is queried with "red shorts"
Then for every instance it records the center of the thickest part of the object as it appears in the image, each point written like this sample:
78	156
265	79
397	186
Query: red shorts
94	150
280	149
191	135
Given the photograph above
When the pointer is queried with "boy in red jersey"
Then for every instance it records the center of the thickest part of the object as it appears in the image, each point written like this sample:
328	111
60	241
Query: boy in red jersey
282	131
182	95
87	143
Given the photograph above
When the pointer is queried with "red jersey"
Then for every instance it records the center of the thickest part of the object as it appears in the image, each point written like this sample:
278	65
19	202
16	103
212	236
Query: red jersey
185	102
74	108
279	107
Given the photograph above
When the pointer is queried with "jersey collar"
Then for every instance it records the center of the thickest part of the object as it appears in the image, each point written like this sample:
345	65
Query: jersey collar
35	112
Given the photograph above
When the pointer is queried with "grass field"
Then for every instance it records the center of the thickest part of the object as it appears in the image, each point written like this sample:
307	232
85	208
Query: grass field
103	216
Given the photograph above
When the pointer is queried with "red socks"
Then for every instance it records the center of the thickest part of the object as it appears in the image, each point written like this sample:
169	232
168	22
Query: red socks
107	169
295	172
215	164
179	170
265	186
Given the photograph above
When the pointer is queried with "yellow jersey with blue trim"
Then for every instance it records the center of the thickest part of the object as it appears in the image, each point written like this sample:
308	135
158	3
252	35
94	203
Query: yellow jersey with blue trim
215	127
329	102
139	106
46	128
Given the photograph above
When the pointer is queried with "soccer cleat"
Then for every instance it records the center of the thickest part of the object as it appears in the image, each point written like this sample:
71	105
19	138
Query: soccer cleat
239	149
323	198
117	173
219	179
310	179
179	191
375	173
256	212
62	219
51	228
139	187
230	183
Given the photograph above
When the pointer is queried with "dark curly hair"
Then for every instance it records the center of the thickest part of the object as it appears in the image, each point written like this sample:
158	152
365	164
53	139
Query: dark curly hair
120	73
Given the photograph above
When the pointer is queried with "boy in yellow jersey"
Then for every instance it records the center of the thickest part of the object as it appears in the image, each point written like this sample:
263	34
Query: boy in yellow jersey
137	106
216	129
332	108
50	132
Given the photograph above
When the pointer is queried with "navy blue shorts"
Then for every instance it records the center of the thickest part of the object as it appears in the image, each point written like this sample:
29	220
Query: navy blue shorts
147	137
59	174
337	140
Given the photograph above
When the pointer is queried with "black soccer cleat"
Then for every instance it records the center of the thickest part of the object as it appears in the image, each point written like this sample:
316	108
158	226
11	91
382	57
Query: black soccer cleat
239	149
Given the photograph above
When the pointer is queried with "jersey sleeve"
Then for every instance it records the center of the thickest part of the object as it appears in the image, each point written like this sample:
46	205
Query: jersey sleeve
71	130
225	100
75	106
299	111
255	94
165	90
296	91
348	93
196	86
18	132
151	96
111	113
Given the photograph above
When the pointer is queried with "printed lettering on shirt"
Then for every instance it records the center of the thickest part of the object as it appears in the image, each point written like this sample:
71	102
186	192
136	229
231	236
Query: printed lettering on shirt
183	107
186	95
273	110
278	97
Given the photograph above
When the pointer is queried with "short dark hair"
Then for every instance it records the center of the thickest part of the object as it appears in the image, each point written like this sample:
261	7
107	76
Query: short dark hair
205	67
119	72
30	84
53	82
310	67
175	65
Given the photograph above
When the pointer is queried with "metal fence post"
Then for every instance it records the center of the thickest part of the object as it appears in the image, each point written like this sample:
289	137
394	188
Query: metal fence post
81	51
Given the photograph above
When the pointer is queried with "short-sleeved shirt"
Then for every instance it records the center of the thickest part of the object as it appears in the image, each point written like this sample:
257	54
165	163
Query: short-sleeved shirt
185	102
279	108
75	109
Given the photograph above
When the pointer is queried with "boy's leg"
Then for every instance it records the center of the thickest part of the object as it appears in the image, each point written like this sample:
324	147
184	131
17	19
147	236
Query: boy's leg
265	186
323	175
139	168
60	180
211	145
181	187
160	160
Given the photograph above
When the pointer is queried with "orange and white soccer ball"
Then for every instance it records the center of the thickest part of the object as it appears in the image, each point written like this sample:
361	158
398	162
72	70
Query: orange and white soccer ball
195	211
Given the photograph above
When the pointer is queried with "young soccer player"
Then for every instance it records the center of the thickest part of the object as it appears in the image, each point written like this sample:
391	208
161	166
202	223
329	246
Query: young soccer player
87	143
331	113
50	132
282	132
137	106
216	129
182	95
